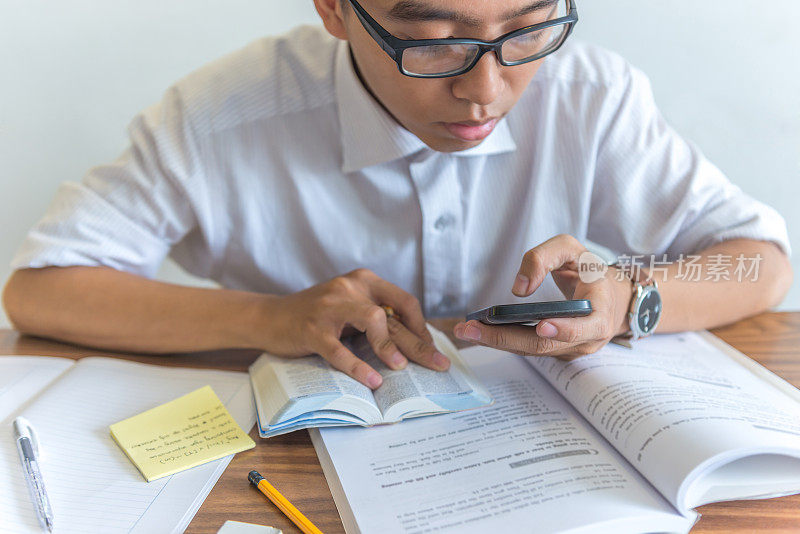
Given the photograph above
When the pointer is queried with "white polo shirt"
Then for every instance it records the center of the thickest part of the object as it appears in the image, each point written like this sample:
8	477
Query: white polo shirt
272	169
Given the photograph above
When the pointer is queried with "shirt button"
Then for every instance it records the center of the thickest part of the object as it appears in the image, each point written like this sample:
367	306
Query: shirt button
445	221
448	301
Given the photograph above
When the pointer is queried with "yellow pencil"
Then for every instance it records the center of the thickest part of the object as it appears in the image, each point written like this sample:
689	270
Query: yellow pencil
283	505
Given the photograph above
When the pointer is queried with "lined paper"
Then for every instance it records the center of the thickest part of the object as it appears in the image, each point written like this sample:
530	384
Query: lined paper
22	377
92	485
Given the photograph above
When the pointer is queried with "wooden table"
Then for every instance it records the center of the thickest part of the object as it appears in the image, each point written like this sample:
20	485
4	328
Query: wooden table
290	463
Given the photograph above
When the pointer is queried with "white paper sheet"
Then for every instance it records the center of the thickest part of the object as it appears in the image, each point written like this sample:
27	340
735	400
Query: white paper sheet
678	407
235	527
92	484
22	377
525	464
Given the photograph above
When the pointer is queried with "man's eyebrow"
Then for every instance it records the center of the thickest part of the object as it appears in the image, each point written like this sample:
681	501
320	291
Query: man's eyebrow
414	11
532	8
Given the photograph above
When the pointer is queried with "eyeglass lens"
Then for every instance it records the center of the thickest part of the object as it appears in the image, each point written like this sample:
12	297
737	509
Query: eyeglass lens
449	59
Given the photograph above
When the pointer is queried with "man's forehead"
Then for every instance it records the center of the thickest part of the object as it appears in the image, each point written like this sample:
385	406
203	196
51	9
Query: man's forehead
467	12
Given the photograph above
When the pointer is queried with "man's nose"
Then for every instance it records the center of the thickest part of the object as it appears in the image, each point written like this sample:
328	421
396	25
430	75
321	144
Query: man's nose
483	84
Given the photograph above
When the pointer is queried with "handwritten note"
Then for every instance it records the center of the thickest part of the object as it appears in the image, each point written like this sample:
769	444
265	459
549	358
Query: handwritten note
189	431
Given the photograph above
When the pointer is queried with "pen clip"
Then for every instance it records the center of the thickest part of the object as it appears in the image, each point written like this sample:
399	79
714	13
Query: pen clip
23	429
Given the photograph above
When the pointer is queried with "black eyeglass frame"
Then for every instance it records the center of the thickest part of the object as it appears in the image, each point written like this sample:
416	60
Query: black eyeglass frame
395	47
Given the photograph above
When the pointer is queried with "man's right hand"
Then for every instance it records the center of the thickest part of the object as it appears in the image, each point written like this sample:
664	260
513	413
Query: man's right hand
314	320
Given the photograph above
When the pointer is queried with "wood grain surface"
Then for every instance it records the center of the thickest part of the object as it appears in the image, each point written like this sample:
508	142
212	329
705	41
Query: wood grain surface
290	463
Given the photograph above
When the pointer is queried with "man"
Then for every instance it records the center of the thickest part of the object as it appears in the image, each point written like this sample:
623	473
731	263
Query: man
320	177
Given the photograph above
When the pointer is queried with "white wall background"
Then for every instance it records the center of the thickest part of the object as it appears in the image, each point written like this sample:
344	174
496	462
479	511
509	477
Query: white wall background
74	72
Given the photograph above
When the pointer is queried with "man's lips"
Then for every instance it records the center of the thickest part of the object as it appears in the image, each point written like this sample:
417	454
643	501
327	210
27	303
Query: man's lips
471	130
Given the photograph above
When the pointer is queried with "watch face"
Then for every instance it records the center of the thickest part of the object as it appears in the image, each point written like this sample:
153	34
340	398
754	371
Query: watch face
649	311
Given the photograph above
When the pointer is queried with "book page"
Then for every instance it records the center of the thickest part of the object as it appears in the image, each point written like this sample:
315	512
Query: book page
92	485
23	377
529	459
412	381
306	392
676	407
312	375
296	393
417	390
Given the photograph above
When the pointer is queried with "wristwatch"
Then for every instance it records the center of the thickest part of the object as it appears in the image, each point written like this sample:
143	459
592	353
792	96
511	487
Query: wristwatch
645	308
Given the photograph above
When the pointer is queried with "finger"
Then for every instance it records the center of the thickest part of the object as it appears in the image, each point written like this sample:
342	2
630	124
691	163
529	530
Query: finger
566	281
373	322
405	304
416	349
511	338
544	347
559	251
576	330
597	326
345	361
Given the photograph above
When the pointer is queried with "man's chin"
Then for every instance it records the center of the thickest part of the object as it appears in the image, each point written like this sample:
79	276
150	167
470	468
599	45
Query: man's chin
448	144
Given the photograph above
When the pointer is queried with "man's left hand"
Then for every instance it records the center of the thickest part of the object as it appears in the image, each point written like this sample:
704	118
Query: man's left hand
565	338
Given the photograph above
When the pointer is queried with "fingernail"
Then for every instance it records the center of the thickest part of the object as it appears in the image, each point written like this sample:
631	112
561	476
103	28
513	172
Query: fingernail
473	333
521	284
398	360
547	330
374	380
440	360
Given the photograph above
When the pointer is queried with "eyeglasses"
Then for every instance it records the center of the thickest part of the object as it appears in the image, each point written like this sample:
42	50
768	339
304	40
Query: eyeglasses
442	58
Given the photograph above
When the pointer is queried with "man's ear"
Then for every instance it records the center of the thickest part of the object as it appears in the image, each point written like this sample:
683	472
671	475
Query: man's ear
330	11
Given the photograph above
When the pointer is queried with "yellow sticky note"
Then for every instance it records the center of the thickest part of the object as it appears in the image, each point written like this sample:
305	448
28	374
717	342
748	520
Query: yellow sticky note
189	431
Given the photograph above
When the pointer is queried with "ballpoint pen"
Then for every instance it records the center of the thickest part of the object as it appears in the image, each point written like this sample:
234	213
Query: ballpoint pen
28	447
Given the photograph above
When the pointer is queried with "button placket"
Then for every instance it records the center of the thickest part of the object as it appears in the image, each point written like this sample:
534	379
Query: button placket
439	194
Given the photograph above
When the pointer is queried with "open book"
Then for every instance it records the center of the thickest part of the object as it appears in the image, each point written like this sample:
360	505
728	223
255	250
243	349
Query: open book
619	441
291	394
92	485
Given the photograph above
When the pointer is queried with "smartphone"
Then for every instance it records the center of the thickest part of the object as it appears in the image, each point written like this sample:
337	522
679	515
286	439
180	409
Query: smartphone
531	312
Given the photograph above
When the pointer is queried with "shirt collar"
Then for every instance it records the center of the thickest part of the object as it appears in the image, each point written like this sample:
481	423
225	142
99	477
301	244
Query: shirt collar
370	136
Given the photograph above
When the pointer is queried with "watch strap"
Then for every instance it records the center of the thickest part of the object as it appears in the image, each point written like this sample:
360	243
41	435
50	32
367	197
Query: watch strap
639	278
